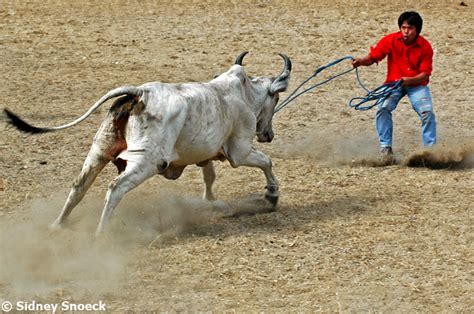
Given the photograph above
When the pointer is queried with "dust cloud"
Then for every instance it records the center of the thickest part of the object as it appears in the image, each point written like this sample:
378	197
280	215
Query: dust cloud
331	149
37	261
445	156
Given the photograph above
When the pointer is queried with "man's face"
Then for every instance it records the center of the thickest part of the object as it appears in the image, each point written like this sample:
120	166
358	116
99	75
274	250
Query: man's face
409	33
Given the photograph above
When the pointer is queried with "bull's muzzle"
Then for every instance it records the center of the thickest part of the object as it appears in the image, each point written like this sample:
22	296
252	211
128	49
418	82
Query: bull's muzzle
265	137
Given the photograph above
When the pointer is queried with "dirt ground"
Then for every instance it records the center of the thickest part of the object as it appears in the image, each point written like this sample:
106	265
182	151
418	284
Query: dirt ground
347	236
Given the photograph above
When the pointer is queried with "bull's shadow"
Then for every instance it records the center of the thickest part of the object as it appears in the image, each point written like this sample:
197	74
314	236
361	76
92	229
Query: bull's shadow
180	218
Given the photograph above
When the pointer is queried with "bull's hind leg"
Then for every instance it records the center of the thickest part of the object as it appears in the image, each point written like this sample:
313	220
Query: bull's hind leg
134	175
209	176
92	166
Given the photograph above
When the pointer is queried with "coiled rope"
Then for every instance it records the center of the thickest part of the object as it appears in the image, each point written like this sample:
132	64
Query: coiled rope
378	95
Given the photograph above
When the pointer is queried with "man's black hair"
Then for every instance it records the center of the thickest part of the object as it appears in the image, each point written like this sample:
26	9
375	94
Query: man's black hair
413	19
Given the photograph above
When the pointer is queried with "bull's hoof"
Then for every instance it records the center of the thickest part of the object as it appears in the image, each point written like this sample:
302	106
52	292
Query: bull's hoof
272	194
55	226
99	232
273	199
208	197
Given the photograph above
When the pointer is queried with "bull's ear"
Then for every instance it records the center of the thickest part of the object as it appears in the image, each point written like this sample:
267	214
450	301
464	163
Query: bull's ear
280	84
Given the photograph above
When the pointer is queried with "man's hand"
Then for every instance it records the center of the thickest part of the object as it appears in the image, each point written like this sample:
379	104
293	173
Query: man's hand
415	80
366	61
356	62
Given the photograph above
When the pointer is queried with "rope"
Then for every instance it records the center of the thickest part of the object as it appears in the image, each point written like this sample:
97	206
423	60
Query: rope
379	94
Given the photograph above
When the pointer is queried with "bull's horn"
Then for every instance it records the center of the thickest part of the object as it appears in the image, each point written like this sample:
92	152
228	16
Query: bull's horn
240	58
280	84
287	63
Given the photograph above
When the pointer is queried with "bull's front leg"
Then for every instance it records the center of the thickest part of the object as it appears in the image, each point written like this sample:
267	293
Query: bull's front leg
259	160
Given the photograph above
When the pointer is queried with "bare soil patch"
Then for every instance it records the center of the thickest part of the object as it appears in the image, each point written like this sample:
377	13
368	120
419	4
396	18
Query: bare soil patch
347	236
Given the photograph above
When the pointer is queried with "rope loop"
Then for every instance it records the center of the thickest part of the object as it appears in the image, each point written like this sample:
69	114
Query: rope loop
378	95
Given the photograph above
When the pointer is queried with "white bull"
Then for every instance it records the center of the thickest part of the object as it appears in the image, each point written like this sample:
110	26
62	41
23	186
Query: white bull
161	128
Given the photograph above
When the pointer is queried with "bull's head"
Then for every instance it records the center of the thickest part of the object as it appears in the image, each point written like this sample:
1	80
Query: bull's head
266	97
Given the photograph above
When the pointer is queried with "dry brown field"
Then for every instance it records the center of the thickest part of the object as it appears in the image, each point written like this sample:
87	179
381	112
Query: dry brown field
347	236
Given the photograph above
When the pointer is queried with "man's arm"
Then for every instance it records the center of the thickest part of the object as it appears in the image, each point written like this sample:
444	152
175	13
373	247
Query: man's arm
365	61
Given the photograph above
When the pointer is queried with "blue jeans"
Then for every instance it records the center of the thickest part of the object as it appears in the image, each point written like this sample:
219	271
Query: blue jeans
420	98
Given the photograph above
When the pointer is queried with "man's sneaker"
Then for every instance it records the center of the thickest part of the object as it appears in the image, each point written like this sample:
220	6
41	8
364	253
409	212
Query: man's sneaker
386	156
386	151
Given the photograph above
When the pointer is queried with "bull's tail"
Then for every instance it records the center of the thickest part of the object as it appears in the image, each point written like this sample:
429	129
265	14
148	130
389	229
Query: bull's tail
24	126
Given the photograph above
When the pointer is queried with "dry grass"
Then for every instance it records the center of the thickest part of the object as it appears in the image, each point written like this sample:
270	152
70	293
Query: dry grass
347	237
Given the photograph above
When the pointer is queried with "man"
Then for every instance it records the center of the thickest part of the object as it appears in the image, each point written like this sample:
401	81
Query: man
409	59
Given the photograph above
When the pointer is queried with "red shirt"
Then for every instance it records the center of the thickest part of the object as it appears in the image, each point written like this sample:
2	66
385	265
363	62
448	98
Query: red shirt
403	60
